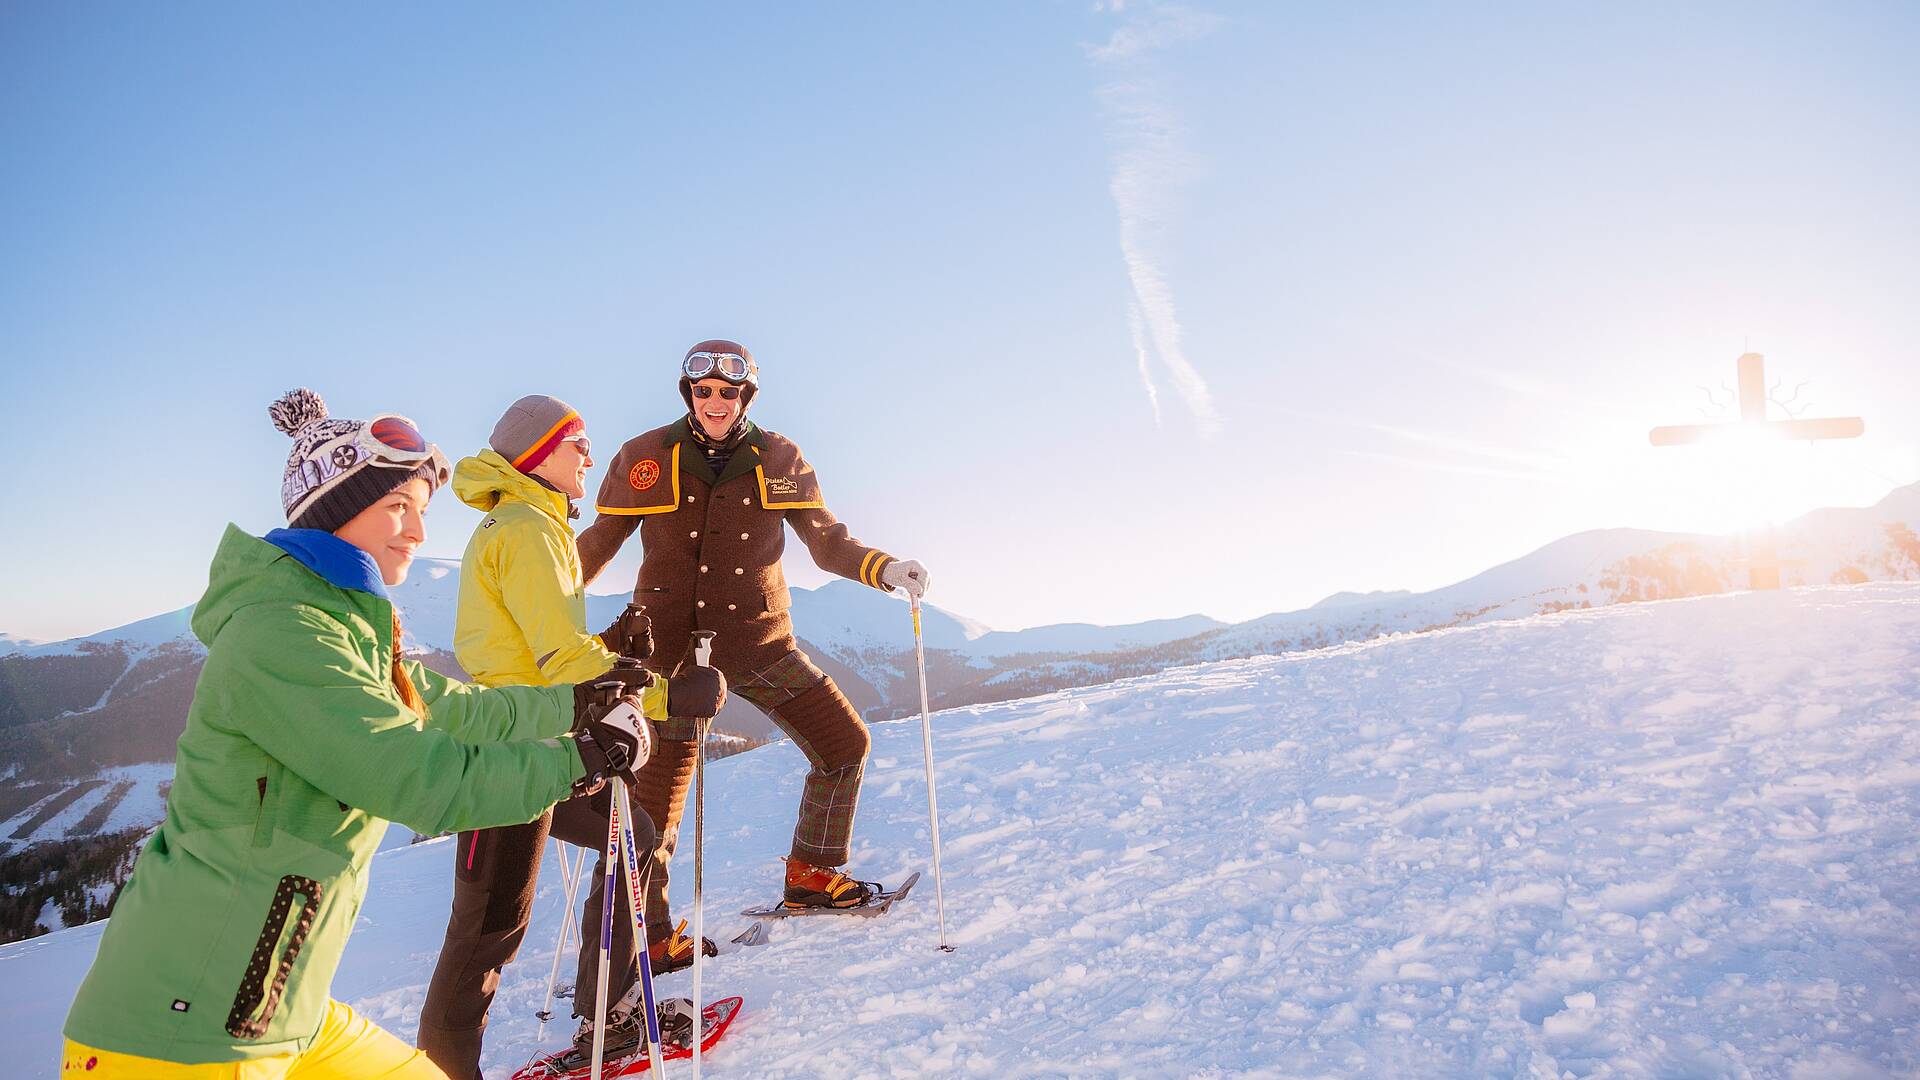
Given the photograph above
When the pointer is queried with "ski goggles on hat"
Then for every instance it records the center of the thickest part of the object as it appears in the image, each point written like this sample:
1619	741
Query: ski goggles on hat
729	393
392	441
328	457
730	366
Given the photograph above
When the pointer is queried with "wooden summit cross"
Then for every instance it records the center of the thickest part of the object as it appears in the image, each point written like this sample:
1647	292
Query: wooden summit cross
1763	567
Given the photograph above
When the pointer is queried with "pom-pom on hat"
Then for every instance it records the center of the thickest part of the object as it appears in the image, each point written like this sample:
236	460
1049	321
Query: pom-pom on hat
340	467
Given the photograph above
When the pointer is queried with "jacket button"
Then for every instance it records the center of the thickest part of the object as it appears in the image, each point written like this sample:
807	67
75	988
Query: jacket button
746	501
694	535
689	498
703	569
699	603
739	569
743	536
731	607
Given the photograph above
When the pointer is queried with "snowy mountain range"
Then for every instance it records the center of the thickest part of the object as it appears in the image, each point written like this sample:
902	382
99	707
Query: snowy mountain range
1676	839
72	710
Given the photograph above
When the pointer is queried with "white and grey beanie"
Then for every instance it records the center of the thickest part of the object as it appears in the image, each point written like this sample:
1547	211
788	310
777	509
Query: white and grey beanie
331	474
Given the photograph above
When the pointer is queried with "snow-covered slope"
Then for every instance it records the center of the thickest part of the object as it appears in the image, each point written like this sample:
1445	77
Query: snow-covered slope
141	635
1088	638
1672	839
70	709
428	600
1557	573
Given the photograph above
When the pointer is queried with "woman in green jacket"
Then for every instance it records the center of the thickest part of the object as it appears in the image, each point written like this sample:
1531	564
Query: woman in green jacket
306	735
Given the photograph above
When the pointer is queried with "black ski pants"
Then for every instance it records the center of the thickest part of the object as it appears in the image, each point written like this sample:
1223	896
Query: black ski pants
495	871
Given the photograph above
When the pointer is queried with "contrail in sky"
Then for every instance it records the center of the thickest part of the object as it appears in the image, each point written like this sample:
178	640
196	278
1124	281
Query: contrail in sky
1137	324
1148	164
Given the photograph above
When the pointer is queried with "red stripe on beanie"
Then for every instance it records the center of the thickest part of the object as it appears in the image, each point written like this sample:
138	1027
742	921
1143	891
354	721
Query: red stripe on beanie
543	449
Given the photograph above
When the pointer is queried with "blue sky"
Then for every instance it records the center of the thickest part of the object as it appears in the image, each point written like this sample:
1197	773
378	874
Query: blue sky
1105	312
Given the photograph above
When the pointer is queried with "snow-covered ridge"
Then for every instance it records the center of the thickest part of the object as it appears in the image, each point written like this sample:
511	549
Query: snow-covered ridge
1666	839
1585	569
139	636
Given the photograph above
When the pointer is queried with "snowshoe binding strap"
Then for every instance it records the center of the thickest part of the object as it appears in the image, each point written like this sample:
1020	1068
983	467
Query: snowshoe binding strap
675	953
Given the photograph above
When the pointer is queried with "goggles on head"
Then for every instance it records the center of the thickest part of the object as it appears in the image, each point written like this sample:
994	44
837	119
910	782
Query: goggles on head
392	441
730	366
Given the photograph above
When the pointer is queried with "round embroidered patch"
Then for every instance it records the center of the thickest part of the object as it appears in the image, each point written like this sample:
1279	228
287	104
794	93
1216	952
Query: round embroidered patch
644	475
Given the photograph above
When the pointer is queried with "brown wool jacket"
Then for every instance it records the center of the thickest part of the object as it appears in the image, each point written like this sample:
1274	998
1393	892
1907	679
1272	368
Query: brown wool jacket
713	544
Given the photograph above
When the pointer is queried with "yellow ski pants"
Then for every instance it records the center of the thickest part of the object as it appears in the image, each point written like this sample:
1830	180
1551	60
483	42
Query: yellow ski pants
349	1047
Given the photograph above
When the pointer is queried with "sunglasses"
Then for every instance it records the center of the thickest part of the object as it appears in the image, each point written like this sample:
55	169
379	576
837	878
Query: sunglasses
581	443
729	393
729	366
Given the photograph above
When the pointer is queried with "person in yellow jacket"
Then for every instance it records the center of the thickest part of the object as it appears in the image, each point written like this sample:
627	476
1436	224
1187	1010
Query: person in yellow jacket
522	622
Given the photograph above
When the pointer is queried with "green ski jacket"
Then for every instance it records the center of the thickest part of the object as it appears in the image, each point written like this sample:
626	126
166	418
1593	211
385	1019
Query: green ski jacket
297	752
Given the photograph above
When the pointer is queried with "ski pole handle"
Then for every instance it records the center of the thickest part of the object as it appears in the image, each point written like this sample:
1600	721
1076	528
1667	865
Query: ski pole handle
703	648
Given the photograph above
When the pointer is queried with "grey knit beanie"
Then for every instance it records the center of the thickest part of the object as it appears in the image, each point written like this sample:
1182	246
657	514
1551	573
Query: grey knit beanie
533	428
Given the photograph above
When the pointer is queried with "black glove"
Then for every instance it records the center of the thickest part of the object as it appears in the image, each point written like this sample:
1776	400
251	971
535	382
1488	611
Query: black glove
611	740
630	635
616	744
625	676
696	691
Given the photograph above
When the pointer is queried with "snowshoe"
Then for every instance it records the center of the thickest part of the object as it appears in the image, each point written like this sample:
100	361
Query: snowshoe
876	904
676	1019
626	1030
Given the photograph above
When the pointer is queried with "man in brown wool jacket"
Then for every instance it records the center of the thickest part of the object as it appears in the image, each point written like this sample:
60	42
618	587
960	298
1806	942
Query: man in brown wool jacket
712	494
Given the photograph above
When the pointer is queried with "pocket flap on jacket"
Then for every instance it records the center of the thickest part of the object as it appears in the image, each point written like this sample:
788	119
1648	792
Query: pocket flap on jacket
793	491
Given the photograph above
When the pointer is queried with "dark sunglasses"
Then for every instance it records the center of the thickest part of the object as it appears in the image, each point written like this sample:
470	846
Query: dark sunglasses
730	393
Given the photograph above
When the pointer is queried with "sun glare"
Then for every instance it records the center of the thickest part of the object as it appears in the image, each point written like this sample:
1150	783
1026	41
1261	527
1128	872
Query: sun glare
1733	480
1746	476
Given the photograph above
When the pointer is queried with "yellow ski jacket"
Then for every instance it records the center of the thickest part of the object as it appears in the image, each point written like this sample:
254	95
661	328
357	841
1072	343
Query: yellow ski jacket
522	618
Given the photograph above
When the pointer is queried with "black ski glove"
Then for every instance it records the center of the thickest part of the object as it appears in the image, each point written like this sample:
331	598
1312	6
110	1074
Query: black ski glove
625	675
630	635
615	744
610	733
696	691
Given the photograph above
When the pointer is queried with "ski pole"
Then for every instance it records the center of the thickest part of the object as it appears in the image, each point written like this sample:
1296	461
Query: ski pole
702	655
620	820
620	855
620	809
606	942
926	743
570	889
